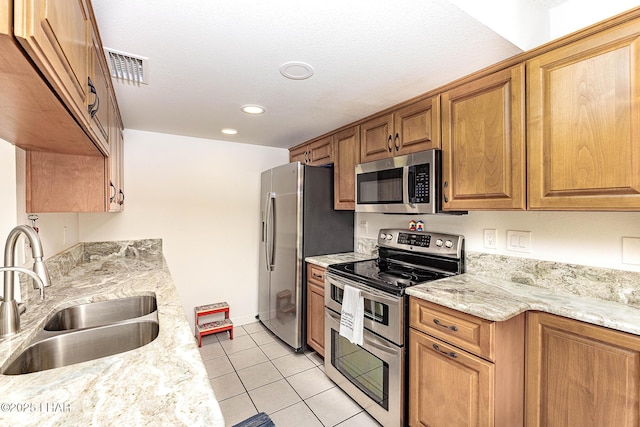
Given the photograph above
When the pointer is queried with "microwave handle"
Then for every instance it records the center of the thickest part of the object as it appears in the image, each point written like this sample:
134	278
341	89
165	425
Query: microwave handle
411	184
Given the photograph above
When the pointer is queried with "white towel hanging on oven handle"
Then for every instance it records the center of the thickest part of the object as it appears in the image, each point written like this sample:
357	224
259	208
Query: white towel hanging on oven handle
352	315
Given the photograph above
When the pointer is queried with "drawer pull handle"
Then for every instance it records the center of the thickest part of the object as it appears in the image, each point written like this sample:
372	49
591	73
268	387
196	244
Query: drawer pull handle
436	347
317	276
451	328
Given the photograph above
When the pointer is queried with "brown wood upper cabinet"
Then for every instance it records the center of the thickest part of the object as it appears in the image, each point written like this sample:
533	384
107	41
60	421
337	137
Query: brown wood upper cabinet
115	191
54	35
580	374
408	129
583	123
58	36
346	153
483	143
318	152
98	103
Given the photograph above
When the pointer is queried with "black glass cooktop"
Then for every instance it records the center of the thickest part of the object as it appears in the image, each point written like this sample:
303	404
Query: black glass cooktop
386	276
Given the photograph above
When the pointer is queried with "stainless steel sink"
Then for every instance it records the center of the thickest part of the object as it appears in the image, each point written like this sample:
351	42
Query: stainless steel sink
51	350
101	313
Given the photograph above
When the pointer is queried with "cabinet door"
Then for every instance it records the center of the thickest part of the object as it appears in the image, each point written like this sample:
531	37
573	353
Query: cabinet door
54	34
315	308
98	99
65	182
115	183
417	126
376	141
483	152
447	386
580	374
321	151
300	154
584	123
347	156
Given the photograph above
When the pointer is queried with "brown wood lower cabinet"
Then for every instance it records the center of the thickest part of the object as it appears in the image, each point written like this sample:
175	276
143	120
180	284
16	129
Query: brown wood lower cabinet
315	308
471	386
580	374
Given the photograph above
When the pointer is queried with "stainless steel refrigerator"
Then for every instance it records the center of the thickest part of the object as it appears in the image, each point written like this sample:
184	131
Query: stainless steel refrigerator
297	221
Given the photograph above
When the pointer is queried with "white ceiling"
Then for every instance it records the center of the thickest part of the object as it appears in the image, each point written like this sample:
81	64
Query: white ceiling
207	58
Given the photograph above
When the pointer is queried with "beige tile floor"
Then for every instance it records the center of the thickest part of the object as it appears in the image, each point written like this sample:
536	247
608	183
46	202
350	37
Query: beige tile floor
256	372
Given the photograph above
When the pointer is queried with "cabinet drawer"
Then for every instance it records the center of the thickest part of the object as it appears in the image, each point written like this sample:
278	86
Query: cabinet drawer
443	376
316	274
468	332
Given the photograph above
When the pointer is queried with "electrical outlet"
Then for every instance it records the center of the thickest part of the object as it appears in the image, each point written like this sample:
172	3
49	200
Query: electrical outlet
631	250
490	236
364	227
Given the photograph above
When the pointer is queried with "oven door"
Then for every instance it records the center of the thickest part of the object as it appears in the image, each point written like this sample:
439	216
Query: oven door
383	312
371	374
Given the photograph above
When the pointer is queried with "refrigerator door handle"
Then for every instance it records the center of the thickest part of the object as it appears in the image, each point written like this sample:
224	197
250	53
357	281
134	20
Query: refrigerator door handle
269	241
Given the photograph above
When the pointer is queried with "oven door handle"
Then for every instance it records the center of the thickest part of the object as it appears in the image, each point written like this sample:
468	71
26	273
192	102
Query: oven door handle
367	292
368	337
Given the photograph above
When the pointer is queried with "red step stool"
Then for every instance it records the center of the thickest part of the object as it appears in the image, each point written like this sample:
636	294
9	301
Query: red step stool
212	327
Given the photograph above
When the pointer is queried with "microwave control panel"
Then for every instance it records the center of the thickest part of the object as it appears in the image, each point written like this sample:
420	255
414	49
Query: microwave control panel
420	184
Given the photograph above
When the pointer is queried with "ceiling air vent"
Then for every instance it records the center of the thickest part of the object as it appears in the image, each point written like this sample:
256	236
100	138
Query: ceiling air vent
128	67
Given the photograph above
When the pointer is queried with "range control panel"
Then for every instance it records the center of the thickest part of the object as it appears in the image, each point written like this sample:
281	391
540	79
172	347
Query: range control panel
422	241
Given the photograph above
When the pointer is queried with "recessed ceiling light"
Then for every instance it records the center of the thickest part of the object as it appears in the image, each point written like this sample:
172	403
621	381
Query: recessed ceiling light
252	109
296	70
229	131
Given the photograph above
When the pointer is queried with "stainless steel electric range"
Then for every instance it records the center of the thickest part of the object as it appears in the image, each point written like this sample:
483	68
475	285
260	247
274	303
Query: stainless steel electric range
373	374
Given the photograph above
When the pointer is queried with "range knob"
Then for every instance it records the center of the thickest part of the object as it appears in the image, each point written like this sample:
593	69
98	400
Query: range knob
448	244
383	236
389	236
439	243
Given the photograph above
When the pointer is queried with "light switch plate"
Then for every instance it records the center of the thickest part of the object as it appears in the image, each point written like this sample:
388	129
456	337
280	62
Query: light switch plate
518	241
631	250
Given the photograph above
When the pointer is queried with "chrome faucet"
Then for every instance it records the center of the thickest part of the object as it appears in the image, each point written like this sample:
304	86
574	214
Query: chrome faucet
9	314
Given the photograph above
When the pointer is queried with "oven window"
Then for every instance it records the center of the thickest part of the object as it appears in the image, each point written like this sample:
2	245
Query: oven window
363	369
380	187
374	310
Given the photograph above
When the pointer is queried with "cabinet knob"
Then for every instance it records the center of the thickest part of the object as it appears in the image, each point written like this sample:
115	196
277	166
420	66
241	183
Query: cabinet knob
389	144
397	141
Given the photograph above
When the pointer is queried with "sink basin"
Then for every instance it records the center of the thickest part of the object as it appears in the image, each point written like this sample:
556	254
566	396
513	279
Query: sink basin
101	313
56	350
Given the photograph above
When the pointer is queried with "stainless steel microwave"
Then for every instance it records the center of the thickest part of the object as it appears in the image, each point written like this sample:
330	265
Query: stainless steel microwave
408	184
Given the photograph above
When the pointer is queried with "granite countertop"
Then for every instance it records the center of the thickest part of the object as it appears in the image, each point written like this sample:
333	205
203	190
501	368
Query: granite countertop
498	299
326	260
163	382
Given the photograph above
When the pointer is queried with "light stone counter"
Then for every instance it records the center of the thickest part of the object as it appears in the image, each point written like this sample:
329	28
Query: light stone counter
498	288
162	383
326	260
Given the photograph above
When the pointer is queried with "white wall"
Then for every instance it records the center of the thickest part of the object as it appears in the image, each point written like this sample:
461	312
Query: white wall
531	23
7	195
202	198
573	15
585	238
525	23
8	209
